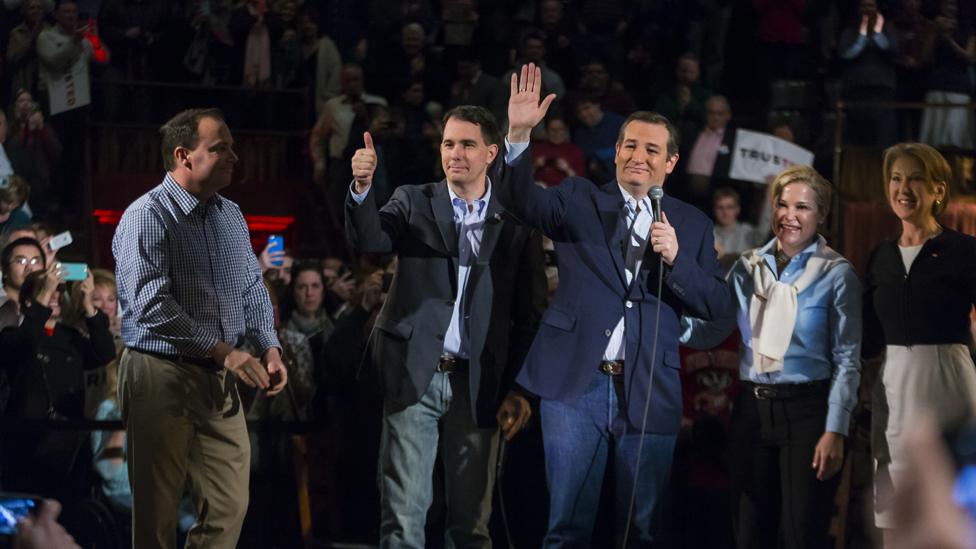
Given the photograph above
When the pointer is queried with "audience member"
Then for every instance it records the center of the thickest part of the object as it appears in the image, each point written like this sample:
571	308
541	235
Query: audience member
350	398
684	102
22	61
532	49
305	313
460	25
733	237
6	166
781	41
562	39
34	151
210	54
595	81
421	127
868	77
708	30
597	136
798	310
340	285
474	87
557	157
390	69
105	298
44	362
912	33
13	198
321	49
602	24
20	257
711	154
330	135
60	49
953	52
131	30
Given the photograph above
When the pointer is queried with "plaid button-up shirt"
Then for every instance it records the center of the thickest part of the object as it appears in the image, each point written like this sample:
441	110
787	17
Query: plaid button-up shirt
187	275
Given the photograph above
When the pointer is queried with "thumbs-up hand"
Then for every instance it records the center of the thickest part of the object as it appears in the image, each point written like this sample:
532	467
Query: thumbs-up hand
364	164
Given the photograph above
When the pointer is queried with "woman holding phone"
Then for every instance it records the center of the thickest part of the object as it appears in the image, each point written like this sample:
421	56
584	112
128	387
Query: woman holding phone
44	359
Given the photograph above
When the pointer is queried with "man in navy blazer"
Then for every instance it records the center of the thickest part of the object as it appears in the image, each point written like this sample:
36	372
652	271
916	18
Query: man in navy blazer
600	349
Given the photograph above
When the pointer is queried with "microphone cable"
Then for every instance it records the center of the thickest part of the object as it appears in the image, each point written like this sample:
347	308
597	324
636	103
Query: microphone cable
656	193
499	473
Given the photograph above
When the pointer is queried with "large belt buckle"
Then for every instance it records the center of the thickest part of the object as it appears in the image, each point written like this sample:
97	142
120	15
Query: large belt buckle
763	393
611	367
446	364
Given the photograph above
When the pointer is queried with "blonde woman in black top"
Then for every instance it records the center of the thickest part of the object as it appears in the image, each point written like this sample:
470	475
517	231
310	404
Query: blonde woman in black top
920	289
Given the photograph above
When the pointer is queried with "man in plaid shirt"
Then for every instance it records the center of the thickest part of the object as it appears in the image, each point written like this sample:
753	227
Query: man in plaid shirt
190	290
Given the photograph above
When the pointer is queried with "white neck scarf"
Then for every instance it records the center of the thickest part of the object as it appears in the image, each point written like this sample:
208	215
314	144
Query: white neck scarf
773	307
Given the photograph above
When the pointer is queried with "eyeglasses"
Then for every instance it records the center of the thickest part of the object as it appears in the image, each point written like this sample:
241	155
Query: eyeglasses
25	261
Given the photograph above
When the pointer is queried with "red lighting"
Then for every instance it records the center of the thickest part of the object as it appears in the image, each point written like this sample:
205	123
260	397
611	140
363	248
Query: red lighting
255	223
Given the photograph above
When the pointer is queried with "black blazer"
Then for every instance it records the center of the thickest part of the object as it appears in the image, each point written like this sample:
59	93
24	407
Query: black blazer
506	291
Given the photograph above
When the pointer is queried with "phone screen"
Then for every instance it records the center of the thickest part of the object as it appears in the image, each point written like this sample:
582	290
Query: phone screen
75	271
60	241
276	243
12	509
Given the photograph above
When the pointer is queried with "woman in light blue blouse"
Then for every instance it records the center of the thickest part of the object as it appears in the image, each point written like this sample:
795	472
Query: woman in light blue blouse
798	310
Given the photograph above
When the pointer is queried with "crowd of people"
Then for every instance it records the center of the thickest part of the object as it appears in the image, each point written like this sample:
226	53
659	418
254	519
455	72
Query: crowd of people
431	341
394	68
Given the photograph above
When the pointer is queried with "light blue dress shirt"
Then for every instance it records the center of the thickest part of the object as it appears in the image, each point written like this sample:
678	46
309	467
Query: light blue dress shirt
826	342
470	224
861	42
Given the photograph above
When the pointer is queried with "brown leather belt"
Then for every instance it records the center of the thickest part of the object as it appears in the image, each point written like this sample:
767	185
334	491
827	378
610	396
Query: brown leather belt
450	364
612	367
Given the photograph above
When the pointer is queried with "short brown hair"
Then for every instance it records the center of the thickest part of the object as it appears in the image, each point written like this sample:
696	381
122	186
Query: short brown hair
181	131
15	191
479	116
652	118
822	190
935	166
726	192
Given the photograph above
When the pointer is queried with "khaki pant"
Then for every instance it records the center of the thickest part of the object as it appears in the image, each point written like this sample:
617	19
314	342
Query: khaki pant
183	422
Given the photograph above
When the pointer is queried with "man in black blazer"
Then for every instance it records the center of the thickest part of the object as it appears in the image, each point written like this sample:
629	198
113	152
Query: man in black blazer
461	313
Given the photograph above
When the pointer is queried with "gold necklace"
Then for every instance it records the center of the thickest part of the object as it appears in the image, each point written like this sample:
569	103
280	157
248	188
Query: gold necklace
782	260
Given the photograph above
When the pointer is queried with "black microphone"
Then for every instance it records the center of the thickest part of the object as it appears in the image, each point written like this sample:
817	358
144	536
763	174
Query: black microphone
656	194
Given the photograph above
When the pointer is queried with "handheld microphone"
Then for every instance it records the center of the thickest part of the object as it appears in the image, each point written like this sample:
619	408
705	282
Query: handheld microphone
656	194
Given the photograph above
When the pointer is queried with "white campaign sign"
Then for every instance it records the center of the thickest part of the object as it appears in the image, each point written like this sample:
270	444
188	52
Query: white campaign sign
71	90
759	155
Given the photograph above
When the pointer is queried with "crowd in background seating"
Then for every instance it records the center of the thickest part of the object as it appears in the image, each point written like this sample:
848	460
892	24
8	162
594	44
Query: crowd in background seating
393	67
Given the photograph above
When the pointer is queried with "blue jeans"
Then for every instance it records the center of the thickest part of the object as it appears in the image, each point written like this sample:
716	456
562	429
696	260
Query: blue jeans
412	436
577	437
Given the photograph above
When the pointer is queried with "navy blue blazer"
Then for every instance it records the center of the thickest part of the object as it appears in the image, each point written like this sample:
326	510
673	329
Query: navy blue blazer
588	227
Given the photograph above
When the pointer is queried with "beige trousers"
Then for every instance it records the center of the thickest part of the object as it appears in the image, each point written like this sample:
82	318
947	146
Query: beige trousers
183	423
